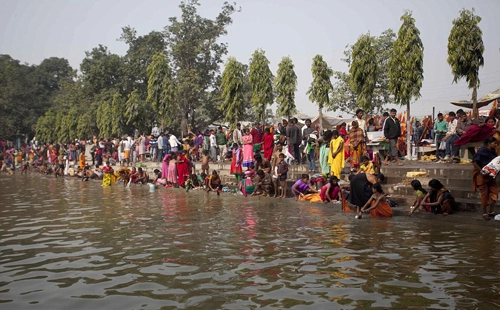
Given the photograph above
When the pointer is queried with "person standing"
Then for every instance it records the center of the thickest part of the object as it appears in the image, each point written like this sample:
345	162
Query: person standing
256	133
440	129
161	151
336	154
483	181
268	143
392	132
294	140
309	149
174	143
213	145
221	139
247	148
237	135
357	143
360	120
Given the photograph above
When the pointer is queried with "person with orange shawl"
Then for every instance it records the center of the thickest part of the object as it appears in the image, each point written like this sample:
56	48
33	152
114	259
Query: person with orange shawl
336	154
377	205
483	181
357	143
82	162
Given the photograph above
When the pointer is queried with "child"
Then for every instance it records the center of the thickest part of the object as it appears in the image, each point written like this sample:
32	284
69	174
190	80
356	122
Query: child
281	176
250	173
420	193
204	162
366	165
214	183
330	191
263	184
302	187
377	205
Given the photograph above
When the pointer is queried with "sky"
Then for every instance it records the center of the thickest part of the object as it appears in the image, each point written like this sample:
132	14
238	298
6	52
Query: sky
32	30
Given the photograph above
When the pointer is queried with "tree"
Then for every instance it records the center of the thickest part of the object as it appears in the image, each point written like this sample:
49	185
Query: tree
321	85
363	70
101	70
110	115
285	86
465	51
406	67
232	86
196	54
261	80
137	113
161	89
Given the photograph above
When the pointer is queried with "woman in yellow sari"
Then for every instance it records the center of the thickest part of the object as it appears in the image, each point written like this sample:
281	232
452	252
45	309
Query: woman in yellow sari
336	154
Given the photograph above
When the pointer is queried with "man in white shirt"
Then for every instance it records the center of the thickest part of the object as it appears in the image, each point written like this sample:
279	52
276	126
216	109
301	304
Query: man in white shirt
174	143
451	136
237	135
161	149
125	144
213	145
360	120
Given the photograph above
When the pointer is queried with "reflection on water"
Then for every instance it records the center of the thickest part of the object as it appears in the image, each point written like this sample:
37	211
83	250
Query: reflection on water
71	244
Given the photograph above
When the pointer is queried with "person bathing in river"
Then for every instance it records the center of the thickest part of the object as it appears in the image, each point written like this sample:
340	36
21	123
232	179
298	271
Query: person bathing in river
214	183
302	187
377	205
420	194
281	174
440	199
263	184
330	191
483	181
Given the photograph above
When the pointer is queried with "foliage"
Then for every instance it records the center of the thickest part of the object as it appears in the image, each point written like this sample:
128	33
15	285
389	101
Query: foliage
363	70
321	86
109	116
161	89
232	86
406	68
196	53
285	86
137	112
261	80
465	50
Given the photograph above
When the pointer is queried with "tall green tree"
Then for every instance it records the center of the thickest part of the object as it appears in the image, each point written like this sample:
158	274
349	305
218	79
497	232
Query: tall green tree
406	67
363	70
285	86
137	112
465	51
196	53
110	115
321	85
161	89
261	80
232	87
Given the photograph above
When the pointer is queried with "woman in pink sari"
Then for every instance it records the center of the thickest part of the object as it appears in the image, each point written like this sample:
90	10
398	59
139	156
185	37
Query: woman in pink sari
164	166
172	170
247	141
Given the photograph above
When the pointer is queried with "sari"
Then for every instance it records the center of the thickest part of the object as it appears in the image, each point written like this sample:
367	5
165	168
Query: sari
337	163
182	169
383	209
357	146
268	145
247	150
323	157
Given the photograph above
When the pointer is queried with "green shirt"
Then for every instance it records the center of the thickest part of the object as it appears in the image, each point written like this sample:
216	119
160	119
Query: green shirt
440	128
220	138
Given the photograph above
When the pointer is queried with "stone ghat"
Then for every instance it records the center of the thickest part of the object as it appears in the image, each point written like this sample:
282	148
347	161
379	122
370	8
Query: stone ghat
456	177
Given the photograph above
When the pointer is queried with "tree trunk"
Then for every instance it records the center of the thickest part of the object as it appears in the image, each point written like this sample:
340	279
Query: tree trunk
184	124
408	133
475	112
320	115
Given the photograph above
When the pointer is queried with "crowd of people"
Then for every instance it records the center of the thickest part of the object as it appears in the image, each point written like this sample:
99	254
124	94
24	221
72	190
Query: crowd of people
260	158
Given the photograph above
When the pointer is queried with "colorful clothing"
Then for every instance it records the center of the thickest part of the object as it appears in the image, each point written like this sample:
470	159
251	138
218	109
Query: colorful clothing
236	161
333	191
383	209
337	163
268	145
247	151
164	166
172	172
357	144
182	169
323	158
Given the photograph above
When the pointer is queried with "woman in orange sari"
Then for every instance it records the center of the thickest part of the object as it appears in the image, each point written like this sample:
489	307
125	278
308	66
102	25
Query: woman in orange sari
377	205
357	143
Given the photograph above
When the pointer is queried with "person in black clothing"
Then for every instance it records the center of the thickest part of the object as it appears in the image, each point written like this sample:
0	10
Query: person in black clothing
294	138
392	131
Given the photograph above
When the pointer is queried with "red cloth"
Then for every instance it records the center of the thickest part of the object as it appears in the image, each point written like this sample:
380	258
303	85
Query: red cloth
475	133
182	169
268	146
233	161
256	135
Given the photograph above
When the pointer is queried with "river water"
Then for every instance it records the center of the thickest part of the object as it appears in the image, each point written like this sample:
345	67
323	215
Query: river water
68	244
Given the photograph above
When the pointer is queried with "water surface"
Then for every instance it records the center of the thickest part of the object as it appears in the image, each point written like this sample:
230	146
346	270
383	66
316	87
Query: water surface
67	244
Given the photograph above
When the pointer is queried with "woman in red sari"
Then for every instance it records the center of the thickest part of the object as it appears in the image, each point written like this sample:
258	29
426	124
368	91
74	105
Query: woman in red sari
268	140
182	168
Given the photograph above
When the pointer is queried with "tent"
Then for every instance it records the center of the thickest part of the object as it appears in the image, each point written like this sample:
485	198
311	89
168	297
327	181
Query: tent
482	102
330	122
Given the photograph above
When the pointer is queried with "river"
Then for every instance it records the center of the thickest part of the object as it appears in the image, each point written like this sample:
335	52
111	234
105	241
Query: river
68	244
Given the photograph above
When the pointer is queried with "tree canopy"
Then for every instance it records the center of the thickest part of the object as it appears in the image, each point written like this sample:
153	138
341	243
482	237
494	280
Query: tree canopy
363	70
465	51
261	81
321	85
285	86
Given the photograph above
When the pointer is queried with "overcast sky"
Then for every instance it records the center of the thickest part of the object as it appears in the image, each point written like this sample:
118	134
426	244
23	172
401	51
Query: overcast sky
32	30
